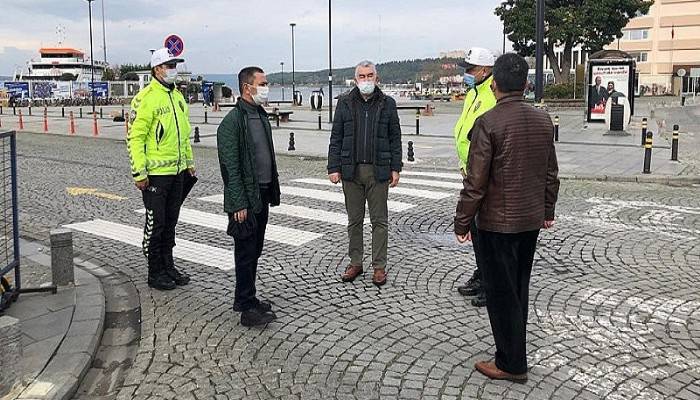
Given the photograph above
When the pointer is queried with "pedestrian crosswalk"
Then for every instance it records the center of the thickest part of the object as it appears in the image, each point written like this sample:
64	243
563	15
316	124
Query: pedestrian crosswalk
309	212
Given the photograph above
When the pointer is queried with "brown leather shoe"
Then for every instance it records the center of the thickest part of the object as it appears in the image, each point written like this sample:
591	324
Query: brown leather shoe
351	272
379	277
490	369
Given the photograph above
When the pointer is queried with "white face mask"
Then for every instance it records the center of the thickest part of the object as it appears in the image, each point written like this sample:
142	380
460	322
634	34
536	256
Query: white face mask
261	93
170	75
366	87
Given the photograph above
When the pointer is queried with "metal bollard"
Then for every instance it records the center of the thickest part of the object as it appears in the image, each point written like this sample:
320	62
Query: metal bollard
417	122
674	143
100	112
556	128
95	131
63	112
81	112
1	111
647	153
62	257
46	121
30	111
319	121
277	119
72	124
291	142
21	121
410	152
14	110
206	117
644	130
196	134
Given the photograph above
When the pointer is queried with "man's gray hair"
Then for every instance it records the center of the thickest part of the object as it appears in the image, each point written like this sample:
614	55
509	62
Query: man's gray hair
365	64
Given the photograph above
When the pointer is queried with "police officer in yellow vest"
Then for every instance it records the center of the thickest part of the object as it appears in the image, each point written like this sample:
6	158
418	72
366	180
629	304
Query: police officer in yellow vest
480	99
161	155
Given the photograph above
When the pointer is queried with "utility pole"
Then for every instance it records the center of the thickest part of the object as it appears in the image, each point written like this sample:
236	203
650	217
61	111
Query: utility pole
539	53
104	30
92	58
294	92
330	68
282	65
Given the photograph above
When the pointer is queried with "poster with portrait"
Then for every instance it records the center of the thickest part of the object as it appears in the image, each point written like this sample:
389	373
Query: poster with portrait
608	79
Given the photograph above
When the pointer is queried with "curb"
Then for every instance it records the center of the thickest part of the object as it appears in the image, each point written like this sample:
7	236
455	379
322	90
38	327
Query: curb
658	179
62	375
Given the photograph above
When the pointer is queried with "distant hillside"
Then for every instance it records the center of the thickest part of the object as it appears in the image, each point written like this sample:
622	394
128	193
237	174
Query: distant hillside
428	70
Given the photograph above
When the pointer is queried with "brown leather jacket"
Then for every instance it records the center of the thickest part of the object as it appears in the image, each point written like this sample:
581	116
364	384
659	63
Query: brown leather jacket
512	184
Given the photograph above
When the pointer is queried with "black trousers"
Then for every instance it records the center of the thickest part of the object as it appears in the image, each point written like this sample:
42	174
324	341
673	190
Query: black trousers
506	267
246	254
162	200
475	243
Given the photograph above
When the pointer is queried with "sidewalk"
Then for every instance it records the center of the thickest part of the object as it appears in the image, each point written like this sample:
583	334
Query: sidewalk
60	332
585	150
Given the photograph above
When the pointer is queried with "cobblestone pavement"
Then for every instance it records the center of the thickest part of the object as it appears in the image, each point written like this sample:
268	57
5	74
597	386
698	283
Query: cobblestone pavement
615	309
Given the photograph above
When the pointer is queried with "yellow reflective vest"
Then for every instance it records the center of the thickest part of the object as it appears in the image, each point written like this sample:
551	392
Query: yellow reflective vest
159	135
478	101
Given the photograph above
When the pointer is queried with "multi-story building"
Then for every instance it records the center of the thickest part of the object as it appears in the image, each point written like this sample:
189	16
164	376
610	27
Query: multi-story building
664	41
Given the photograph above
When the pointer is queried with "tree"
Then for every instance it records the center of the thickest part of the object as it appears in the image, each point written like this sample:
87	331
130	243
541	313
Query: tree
109	74
590	23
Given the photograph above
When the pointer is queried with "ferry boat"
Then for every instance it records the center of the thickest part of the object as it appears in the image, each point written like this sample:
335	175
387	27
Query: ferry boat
57	61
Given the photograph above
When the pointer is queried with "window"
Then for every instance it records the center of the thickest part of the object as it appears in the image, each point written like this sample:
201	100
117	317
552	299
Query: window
635	34
640	56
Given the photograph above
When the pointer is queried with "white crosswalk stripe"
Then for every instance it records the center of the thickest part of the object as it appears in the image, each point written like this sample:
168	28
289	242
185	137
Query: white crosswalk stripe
296	211
275	233
437	184
426	194
442	175
336	197
185	249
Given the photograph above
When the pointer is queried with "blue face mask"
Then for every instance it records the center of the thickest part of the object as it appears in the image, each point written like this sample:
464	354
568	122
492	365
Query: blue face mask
469	80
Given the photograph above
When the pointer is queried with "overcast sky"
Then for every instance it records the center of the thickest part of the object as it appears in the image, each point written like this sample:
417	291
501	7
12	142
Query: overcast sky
222	36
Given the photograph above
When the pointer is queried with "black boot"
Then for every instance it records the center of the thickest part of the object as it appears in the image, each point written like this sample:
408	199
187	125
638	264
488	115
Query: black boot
158	279
180	278
472	288
260	305
255	317
480	299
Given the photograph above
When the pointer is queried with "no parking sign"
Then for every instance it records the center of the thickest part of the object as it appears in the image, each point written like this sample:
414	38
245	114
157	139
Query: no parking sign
175	45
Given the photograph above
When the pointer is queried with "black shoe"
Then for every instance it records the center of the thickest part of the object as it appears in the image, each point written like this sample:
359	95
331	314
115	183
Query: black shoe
179	278
472	288
262	306
255	317
479	300
160	280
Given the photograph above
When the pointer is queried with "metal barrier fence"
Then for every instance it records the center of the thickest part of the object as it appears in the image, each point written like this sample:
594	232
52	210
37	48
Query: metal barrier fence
9	224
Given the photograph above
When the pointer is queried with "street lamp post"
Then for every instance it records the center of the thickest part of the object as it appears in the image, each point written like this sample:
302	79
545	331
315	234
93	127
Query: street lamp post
539	53
294	99
330	69
282	65
92	59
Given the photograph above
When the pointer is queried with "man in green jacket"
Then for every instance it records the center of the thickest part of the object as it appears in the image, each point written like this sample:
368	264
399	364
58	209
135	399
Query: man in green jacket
480	99
161	155
251	186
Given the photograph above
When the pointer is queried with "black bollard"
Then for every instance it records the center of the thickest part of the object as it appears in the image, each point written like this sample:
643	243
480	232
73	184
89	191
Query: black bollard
122	110
644	130
63	112
196	135
14	110
647	153
277	119
100	112
81	112
0	110
674	144
291	142
417	122
319	122
410	152
30	111
556	128
206	117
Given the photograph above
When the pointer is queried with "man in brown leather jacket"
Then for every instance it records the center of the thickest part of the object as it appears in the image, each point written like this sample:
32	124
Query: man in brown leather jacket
511	189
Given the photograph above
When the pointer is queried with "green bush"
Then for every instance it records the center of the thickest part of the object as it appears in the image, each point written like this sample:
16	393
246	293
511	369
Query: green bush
560	91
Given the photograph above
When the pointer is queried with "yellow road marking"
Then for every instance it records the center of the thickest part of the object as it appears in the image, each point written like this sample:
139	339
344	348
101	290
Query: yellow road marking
76	191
